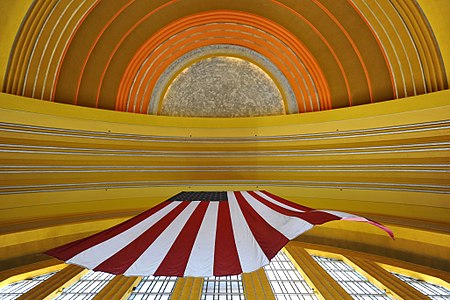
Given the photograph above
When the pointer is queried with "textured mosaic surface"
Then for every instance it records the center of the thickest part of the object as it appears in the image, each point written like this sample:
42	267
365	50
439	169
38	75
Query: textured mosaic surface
222	87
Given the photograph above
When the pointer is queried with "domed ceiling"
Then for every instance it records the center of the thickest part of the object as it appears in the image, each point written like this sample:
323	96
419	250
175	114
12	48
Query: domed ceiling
157	57
69	171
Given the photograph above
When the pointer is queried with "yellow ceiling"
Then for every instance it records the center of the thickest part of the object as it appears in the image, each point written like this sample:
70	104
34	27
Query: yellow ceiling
436	12
108	55
68	171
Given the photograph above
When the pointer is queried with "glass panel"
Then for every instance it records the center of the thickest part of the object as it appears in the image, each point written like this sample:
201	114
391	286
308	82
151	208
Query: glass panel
87	287
16	289
353	283
154	288
223	287
433	291
286	281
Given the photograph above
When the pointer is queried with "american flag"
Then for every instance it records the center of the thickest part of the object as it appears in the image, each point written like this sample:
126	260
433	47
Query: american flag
200	234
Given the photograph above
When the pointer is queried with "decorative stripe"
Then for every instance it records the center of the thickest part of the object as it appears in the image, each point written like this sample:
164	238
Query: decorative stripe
377	131
122	39
61	59
217	27
36	42
381	186
325	41
91	49
400	28
382	149
421	168
220	50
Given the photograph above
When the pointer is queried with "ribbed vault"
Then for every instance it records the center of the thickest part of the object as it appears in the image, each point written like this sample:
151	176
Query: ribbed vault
69	171
98	54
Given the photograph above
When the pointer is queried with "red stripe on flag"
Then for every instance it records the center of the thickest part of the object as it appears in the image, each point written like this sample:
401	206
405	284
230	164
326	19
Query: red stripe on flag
67	251
269	239
123	259
176	259
226	258
314	217
286	202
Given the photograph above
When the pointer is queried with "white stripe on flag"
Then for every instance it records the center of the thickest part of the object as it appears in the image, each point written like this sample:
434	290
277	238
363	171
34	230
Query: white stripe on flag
268	198
250	253
92	257
290	227
152	257
201	260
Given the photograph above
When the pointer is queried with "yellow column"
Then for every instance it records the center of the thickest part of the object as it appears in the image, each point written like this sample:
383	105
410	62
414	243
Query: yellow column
119	288
384	280
188	288
257	286
315	275
49	288
29	271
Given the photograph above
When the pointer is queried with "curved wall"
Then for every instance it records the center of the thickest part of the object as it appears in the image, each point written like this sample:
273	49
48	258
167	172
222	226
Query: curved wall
70	171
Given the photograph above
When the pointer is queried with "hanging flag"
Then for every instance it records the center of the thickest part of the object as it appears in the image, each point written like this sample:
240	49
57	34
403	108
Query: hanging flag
200	234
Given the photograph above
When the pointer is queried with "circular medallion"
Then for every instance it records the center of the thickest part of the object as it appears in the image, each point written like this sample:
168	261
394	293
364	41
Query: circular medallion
222	87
